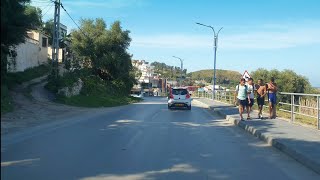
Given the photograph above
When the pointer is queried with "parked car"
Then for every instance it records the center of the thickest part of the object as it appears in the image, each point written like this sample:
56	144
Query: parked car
137	94
179	97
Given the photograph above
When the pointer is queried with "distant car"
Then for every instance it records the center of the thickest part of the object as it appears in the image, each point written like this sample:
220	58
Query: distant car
179	97
138	95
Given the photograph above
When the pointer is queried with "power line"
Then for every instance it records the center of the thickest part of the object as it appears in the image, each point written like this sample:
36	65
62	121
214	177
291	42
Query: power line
70	16
90	39
47	10
41	2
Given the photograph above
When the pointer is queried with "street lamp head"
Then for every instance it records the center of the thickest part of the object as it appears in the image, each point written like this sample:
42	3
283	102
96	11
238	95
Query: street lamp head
177	58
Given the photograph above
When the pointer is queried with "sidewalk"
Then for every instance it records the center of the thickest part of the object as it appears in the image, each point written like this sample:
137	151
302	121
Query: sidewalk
301	143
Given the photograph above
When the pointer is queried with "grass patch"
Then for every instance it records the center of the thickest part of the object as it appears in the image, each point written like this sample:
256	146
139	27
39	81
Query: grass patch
98	101
95	92
27	75
6	100
13	79
298	118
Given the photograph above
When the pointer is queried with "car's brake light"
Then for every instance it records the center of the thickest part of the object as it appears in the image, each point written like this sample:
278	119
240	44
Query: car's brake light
171	96
188	96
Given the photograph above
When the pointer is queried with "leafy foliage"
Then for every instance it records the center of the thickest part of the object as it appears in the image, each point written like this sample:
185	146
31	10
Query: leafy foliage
6	100
27	75
105	51
287	81
166	71
48	30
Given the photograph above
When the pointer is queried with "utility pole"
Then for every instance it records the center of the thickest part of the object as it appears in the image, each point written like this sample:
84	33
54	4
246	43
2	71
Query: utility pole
56	38
215	44
181	60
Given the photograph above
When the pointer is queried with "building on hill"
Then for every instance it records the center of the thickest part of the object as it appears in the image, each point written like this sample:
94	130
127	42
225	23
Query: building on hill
33	52
149	81
147	71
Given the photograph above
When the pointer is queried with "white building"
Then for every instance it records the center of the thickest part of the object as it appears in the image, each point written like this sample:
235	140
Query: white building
33	52
147	71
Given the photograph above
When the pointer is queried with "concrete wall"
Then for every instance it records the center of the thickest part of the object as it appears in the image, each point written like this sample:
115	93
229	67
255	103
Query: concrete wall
29	54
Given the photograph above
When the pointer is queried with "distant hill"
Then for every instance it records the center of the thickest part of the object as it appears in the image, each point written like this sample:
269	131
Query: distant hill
224	77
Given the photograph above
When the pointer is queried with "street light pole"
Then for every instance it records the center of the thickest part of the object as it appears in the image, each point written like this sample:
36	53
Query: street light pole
149	76
181	61
215	44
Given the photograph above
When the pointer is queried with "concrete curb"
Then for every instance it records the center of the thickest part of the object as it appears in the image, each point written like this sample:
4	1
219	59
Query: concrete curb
276	143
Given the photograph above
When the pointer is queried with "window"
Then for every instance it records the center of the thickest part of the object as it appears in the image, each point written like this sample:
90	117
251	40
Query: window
179	91
44	42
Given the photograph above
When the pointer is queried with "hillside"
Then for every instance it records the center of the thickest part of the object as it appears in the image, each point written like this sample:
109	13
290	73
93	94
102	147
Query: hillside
224	77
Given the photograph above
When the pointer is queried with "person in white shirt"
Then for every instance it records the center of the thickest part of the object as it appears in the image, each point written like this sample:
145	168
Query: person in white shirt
251	91
241	97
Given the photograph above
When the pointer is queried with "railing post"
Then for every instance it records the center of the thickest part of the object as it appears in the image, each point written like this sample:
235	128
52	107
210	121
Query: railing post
292	108
318	104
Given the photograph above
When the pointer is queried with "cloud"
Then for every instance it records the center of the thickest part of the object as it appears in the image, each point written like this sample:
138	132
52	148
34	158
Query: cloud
271	38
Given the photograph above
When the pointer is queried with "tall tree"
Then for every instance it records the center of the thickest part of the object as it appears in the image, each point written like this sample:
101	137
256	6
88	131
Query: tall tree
48	30
287	81
106	49
17	17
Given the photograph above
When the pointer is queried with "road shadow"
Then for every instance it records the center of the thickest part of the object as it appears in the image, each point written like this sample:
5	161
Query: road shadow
131	142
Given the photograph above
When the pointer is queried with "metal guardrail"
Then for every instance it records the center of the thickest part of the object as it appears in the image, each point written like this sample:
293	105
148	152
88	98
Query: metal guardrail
294	105
288	107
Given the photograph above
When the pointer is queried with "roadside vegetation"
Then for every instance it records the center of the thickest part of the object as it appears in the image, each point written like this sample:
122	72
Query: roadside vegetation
13	79
100	59
17	17
97	55
287	81
27	75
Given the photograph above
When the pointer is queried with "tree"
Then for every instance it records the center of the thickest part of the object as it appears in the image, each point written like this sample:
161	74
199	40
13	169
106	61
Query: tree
287	81
48	30
17	17
106	50
166	71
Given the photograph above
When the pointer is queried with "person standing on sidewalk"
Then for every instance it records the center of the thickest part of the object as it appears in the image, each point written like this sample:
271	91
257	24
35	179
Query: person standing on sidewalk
241	97
272	90
251	91
261	93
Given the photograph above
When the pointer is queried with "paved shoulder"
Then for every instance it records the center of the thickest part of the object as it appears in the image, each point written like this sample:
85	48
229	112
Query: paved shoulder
301	143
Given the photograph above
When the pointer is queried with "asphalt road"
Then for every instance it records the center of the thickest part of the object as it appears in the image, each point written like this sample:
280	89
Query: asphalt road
146	141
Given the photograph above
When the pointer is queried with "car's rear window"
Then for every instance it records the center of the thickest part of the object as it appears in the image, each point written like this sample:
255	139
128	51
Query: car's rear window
179	92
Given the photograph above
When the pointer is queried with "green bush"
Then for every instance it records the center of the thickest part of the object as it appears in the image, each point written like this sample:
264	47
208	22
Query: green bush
95	92
27	75
287	81
67	80
93	85
6	101
12	79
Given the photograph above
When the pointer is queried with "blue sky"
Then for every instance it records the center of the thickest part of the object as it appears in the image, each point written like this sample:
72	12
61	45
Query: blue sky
273	34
